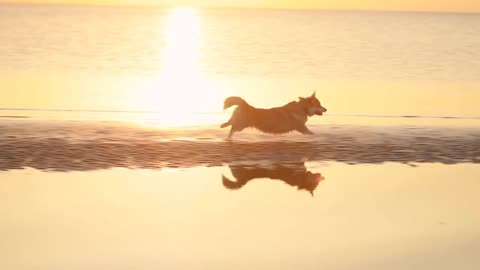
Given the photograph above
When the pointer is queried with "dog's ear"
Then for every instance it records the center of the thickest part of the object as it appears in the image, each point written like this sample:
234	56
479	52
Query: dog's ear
314	93
311	193
301	98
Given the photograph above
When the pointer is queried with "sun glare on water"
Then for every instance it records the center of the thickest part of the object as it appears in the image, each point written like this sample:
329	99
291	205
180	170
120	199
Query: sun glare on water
181	92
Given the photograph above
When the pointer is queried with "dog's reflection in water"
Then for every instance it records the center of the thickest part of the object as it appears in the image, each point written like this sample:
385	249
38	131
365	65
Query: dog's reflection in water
294	174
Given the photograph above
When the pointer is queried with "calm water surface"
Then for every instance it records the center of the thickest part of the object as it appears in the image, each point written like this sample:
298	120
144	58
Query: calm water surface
389	216
186	61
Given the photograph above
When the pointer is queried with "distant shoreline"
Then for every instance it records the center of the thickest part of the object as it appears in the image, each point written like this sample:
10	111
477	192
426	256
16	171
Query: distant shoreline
306	9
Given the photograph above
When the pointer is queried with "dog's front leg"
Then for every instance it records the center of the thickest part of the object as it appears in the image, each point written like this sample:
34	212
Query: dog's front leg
305	130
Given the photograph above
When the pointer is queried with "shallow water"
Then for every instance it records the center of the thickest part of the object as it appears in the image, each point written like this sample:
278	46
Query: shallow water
83	145
388	216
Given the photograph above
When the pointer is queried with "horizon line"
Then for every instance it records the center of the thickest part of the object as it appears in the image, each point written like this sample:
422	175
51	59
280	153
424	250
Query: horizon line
134	111
237	7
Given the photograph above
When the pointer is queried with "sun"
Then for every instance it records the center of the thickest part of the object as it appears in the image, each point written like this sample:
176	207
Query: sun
181	90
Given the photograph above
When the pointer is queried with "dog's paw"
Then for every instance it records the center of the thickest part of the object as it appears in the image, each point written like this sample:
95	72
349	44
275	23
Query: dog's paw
308	132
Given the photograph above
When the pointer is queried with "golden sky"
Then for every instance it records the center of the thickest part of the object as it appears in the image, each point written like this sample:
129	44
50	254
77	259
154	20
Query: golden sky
416	5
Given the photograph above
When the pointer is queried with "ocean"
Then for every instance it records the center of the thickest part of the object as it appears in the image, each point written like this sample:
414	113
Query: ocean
185	61
111	155
106	77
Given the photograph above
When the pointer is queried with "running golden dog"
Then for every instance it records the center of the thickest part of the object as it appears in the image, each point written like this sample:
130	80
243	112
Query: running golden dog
290	117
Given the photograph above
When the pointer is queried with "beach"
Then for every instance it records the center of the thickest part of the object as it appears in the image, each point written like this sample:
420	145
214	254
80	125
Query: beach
113	195
112	156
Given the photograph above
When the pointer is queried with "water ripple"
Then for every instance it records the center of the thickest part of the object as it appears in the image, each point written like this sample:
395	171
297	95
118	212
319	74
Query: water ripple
92	146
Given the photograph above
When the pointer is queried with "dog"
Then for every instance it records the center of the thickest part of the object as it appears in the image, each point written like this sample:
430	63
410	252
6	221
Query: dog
295	174
287	118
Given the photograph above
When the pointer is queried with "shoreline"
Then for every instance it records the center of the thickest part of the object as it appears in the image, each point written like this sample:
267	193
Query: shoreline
83	146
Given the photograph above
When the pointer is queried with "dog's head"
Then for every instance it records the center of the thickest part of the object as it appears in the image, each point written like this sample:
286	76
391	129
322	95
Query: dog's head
311	182
312	105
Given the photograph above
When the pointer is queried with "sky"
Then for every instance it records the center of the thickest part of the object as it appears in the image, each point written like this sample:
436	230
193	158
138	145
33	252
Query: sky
404	5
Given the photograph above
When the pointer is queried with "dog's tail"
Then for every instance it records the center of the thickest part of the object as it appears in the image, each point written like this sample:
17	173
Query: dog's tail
231	184
232	101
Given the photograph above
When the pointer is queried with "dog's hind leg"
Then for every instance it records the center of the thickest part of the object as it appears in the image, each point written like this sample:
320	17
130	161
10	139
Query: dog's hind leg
230	134
304	130
226	124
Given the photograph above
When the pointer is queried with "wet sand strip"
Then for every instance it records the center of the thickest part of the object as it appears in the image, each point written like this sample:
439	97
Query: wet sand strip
347	145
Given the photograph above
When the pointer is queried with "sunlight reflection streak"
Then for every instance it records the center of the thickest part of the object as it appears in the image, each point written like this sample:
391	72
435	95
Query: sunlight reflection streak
181	90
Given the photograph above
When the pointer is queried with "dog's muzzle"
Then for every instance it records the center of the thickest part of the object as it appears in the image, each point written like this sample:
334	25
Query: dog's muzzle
320	111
